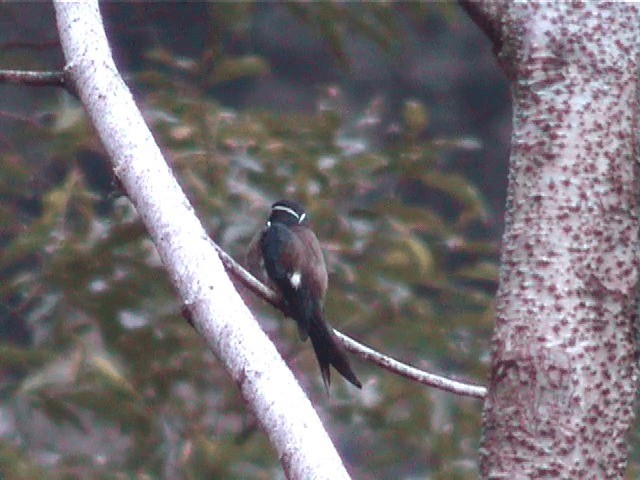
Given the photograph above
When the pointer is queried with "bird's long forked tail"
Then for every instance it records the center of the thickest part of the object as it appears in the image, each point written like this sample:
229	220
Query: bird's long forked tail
330	352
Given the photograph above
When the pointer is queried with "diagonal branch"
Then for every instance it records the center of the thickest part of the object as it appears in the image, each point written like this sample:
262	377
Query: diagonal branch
216	310
355	347
58	79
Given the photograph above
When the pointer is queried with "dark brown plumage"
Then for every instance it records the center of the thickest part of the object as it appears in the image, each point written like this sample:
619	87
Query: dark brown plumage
294	264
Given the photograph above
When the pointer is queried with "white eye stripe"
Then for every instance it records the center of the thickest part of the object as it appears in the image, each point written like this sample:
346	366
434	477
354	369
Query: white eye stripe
290	211
302	217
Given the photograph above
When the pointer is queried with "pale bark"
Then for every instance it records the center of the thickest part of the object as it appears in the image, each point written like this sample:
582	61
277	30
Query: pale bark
564	375
218	313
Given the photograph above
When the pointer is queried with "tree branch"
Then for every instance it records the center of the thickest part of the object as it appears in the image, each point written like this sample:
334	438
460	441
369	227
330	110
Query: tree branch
362	351
59	79
36	79
217	311
487	15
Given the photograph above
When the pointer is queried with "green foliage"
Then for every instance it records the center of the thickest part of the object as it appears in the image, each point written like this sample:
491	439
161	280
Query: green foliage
118	380
333	20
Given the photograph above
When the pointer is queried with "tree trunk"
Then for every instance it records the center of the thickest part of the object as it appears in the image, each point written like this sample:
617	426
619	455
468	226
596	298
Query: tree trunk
564	376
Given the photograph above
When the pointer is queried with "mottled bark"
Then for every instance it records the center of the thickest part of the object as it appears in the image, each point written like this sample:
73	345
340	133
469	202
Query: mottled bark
564	376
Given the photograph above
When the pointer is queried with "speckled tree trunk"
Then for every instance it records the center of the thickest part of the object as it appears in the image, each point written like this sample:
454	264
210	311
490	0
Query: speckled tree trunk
564	376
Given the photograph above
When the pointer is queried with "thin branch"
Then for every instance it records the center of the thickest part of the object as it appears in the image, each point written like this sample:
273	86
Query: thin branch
38	79
355	347
487	15
36	124
243	275
410	372
59	79
45	45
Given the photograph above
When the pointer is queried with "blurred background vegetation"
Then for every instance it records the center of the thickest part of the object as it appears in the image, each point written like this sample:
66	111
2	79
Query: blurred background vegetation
390	122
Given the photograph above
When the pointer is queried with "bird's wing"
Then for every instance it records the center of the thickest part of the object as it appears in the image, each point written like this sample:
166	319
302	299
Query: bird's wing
313	268
254	261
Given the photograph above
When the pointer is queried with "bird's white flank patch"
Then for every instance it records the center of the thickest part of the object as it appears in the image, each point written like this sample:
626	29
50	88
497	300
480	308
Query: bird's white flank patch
295	279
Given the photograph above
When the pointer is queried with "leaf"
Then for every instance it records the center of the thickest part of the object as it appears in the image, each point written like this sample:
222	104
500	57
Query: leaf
480	271
415	116
110	373
164	57
12	356
59	410
458	189
60	373
234	68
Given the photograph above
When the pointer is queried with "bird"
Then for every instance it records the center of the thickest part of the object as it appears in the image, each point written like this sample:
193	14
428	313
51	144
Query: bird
290	255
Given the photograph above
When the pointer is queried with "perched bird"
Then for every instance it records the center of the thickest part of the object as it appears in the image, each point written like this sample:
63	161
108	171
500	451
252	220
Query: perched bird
290	253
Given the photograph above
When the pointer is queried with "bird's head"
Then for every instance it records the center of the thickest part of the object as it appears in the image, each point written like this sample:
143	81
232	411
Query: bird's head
287	212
